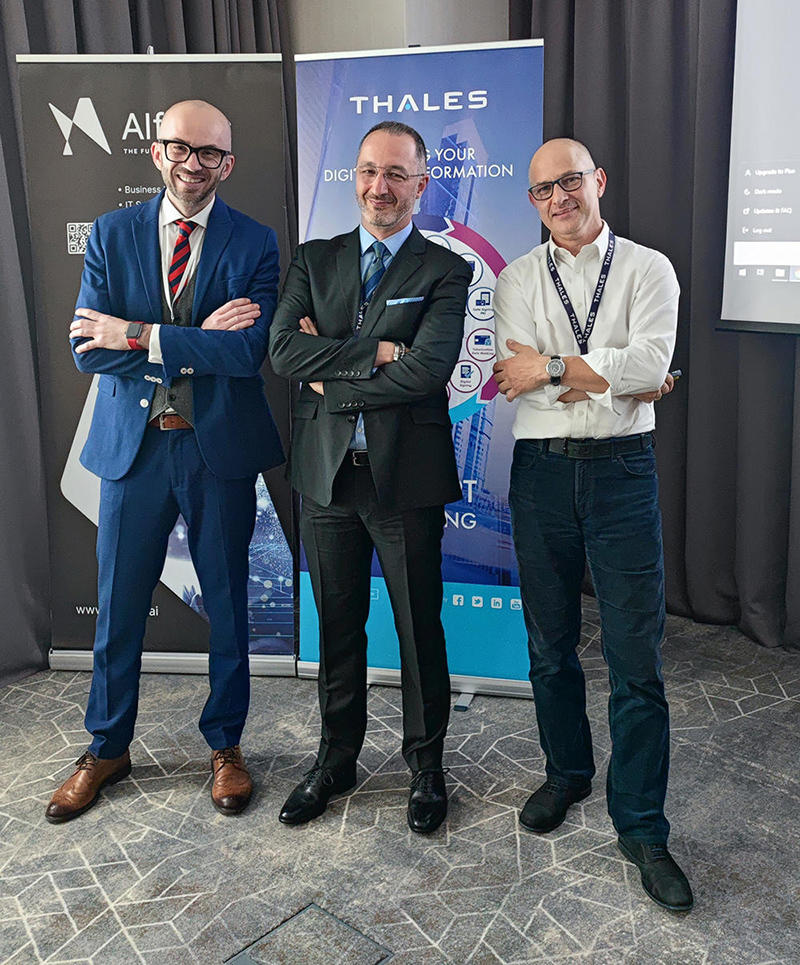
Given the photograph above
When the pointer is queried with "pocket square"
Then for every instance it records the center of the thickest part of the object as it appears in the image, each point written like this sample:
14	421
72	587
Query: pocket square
404	301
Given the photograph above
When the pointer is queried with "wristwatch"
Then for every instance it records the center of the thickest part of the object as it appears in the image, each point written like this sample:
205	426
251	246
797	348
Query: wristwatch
132	333
555	368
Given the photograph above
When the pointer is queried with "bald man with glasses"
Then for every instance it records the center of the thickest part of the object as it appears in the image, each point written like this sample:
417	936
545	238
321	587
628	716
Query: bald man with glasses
586	327
175	304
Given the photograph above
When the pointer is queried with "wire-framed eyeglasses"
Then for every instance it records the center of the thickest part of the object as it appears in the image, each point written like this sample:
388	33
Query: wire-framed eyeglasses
368	172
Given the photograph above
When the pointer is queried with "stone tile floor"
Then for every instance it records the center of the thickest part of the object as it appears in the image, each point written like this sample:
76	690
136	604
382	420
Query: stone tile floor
154	875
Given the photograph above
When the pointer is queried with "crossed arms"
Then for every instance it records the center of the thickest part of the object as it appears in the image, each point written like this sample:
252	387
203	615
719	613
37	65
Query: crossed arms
231	341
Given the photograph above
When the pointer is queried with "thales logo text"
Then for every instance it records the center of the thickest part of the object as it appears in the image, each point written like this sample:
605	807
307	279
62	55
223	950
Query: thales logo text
449	100
85	118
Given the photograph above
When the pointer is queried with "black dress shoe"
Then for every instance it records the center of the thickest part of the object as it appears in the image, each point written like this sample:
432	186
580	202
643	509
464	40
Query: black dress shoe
662	879
546	808
427	802
310	798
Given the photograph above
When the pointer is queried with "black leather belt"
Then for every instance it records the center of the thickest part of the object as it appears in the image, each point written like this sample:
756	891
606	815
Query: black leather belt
595	448
359	457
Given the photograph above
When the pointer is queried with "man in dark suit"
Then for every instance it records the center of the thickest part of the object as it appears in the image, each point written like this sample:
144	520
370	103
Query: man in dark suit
173	313
371	323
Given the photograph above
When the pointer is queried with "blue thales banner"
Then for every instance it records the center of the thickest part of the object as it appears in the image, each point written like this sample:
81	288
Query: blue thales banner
479	110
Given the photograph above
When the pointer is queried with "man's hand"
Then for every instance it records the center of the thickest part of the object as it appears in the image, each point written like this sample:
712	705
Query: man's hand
654	396
233	316
103	331
307	326
524	371
318	387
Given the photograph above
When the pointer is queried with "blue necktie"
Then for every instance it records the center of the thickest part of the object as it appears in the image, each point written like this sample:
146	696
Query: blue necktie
375	269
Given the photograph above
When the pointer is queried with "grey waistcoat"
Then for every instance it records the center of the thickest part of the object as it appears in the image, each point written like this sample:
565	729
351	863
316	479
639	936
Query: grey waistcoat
179	395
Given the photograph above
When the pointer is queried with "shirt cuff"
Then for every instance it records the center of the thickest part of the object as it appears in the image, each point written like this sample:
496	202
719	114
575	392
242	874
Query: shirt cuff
154	353
604	398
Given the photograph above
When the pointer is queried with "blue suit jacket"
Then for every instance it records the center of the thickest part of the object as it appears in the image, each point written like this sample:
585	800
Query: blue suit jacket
122	277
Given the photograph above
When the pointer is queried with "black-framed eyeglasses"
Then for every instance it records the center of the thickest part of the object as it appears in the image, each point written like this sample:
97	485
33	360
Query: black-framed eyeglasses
567	182
207	156
391	175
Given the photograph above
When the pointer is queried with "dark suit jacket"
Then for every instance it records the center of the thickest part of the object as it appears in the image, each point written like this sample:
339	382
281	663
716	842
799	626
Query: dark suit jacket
122	277
404	403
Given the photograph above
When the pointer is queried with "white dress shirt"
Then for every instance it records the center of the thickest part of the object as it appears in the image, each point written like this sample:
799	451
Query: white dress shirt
630	346
168	218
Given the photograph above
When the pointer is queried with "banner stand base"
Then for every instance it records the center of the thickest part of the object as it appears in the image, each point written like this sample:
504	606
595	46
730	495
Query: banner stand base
459	683
261	664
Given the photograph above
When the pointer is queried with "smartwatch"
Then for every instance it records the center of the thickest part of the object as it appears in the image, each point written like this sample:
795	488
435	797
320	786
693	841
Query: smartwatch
555	368
132	333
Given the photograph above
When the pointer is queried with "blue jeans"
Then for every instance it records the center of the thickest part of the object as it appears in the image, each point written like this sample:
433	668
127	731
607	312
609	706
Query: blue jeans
565	512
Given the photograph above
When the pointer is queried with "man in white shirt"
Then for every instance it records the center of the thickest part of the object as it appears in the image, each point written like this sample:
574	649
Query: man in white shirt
176	299
585	331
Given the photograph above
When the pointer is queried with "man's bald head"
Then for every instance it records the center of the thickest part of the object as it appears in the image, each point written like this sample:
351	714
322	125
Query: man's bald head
200	116
573	216
191	183
560	148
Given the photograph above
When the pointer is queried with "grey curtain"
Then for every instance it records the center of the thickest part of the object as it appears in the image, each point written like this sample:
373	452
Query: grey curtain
61	27
648	87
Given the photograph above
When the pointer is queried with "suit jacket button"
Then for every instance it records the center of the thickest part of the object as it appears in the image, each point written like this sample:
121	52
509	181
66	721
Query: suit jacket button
159	381
190	371
361	403
183	371
357	372
144	403
352	418
339	374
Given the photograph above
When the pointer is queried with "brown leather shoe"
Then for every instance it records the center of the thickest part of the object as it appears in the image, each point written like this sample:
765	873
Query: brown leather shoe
232	785
80	791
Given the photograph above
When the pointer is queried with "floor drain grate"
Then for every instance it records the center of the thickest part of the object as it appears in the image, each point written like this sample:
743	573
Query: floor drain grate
312	937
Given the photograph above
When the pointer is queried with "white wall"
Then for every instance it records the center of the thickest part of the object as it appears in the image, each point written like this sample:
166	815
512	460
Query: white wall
328	25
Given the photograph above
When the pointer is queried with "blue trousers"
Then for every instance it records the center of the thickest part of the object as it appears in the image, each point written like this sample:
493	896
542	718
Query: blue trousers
566	512
137	514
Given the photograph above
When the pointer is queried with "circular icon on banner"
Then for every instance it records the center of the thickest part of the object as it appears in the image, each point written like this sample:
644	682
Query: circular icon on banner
466	376
479	303
476	263
480	344
471	385
439	240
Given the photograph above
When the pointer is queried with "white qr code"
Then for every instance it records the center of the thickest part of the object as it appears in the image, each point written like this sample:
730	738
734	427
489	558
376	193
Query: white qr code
77	236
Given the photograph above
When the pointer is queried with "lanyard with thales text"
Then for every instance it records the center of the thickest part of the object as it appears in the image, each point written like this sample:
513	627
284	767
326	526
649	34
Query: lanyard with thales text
362	311
582	337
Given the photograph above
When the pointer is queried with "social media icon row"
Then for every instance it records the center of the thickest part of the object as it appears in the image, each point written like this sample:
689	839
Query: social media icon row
495	602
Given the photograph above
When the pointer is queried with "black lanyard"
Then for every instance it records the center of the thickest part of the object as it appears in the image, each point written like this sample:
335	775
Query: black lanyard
582	337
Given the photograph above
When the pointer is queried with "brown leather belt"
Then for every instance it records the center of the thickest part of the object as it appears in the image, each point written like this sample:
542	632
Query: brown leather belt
170	420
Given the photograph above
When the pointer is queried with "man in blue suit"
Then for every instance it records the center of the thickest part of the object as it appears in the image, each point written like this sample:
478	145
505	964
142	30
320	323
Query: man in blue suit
176	299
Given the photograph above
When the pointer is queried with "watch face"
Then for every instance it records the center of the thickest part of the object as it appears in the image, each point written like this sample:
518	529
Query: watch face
134	330
556	368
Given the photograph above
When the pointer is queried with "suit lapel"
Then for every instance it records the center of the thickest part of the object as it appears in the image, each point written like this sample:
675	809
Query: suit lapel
407	260
218	233
348	268
148	252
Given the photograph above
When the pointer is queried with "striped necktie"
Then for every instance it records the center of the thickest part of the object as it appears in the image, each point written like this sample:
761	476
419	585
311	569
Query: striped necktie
375	269
180	256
